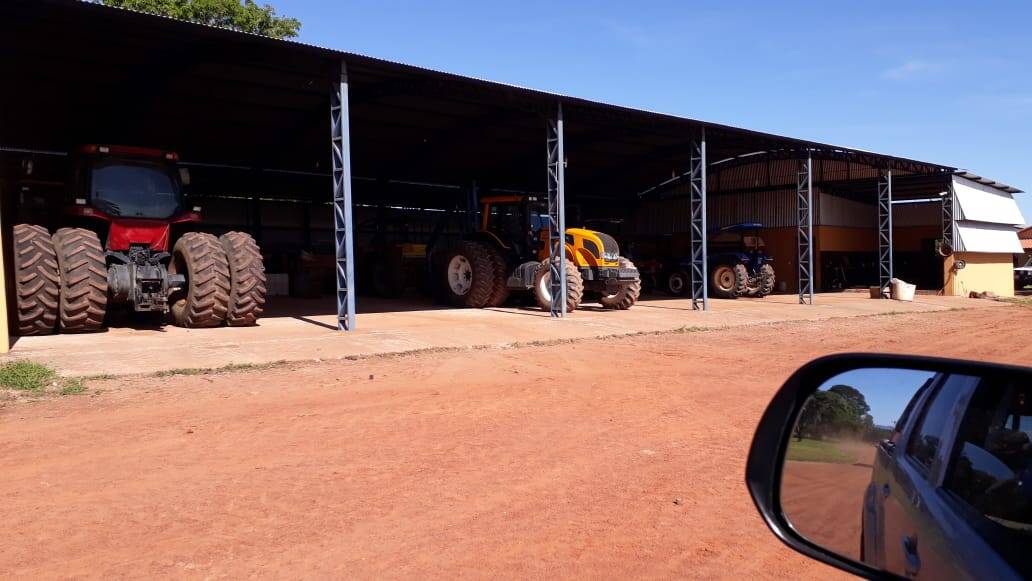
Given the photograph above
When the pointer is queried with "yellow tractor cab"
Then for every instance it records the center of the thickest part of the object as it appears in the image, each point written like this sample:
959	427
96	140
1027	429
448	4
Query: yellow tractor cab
509	252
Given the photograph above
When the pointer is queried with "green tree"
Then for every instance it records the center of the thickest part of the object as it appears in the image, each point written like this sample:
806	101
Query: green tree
242	15
826	413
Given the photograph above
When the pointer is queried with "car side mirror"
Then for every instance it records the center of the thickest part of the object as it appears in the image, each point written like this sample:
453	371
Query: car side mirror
827	453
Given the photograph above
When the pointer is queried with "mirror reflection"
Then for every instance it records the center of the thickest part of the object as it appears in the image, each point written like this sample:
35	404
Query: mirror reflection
905	470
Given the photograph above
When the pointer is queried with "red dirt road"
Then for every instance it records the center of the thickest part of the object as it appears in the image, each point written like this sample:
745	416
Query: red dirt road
824	501
623	459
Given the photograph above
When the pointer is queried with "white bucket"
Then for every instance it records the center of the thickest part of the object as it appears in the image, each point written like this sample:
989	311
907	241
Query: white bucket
902	291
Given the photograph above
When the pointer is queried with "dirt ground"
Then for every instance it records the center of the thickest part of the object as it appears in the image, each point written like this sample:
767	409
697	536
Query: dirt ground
824	501
598	459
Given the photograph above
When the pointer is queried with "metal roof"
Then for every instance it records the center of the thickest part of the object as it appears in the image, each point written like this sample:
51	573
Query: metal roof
85	72
987	182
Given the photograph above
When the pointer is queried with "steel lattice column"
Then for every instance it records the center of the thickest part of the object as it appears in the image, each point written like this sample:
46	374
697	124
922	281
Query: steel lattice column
340	144
697	202
884	229
804	237
948	207
557	213
473	207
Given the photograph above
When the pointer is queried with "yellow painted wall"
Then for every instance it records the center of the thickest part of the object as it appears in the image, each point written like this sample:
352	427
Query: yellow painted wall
983	272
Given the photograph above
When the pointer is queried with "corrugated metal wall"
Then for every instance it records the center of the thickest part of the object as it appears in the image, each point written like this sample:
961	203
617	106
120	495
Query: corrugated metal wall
773	203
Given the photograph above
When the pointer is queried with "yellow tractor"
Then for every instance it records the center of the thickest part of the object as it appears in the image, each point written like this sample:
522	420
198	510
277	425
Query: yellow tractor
509	252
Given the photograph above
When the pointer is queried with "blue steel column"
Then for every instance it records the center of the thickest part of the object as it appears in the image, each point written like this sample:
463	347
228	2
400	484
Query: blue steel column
697	202
804	236
557	214
340	144
947	216
885	270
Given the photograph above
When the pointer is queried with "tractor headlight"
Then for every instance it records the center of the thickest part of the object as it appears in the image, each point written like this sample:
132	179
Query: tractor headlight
611	256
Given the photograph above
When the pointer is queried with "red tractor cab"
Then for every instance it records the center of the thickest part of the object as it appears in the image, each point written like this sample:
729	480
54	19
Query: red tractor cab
131	197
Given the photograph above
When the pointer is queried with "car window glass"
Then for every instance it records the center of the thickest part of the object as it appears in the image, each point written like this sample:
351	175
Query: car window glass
992	471
927	437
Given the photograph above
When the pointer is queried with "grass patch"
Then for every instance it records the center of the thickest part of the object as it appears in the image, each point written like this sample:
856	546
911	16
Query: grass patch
73	386
1020	301
26	376
807	450
224	369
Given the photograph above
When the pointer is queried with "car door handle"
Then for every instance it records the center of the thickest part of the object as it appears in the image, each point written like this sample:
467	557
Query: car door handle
913	561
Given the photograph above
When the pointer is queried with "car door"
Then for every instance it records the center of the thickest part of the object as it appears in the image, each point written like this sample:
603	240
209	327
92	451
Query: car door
912	539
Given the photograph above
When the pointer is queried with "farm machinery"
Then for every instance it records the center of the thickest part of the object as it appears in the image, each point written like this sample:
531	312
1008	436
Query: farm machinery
508	252
738	265
66	279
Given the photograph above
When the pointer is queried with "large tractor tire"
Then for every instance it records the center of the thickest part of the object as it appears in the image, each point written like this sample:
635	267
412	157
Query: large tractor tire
204	302
84	287
467	275
679	283
626	296
246	279
574	286
765	282
500	294
729	281
37	280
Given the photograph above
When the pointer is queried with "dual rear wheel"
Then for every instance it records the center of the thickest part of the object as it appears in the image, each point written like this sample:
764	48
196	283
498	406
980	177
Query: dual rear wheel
61	280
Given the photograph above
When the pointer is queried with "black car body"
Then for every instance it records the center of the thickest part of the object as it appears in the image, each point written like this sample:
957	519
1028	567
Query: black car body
951	491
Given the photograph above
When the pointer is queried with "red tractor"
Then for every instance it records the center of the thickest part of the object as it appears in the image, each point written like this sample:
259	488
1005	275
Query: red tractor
131	198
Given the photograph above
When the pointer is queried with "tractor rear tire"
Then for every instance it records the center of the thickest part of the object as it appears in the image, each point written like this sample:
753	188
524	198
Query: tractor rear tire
766	280
37	280
246	279
574	286
205	300
627	295
467	275
678	283
500	294
730	281
84	286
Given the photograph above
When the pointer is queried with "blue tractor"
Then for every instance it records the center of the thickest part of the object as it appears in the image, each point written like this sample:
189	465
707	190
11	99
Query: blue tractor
738	265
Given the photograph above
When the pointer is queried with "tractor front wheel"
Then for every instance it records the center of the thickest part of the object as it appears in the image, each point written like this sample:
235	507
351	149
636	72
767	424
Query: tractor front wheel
730	281
543	286
37	280
628	294
84	285
678	283
204	301
246	279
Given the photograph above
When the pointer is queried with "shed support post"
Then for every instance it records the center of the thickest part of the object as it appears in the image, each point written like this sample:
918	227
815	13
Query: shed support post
340	145
884	229
948	207
557	213
697	202
804	236
473	207
5	335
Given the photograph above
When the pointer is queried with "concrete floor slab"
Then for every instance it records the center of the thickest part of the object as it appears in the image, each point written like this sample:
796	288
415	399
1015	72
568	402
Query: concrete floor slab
298	330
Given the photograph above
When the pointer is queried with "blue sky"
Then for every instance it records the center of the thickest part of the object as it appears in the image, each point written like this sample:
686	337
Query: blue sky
887	391
949	82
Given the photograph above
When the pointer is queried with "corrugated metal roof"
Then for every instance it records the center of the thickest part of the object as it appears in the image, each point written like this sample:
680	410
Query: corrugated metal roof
987	182
531	91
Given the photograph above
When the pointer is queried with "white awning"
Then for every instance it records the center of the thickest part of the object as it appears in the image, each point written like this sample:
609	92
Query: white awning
983	203
981	237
